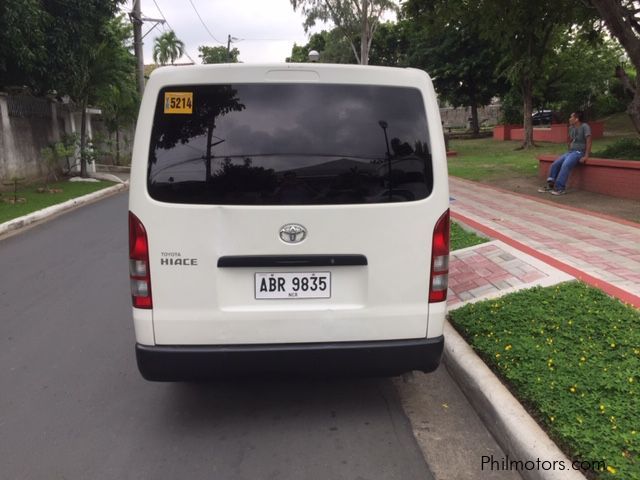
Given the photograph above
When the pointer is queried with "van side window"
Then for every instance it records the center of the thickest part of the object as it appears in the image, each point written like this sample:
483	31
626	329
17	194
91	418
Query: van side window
289	144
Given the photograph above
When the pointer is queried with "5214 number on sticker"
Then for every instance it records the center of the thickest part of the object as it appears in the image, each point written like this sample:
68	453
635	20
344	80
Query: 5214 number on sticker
178	103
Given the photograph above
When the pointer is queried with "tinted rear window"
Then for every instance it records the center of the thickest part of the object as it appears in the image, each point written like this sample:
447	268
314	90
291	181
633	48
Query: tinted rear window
293	144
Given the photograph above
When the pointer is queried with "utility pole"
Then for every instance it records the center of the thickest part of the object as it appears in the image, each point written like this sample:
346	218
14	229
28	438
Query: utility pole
229	40
137	20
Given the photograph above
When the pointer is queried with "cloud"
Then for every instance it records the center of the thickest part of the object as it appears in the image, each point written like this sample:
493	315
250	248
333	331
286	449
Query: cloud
266	29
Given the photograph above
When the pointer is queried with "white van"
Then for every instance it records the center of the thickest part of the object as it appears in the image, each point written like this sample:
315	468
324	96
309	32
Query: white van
288	218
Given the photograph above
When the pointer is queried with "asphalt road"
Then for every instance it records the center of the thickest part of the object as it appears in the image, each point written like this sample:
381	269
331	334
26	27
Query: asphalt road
73	406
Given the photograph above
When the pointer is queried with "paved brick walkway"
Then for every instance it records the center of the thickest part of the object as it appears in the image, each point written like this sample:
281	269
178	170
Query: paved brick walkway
494	269
600	251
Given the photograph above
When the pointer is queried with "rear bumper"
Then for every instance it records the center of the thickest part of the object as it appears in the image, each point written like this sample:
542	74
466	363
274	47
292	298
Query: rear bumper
383	358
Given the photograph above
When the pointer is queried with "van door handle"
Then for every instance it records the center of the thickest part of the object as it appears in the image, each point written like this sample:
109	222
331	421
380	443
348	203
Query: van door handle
255	261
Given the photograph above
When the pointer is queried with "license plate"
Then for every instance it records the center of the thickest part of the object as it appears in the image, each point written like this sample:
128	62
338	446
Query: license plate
292	285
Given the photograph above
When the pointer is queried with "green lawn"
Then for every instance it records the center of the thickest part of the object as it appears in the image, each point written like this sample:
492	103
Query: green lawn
34	201
461	238
571	354
486	159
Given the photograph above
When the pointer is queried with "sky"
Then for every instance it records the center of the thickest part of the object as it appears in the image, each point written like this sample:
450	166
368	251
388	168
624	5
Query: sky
265	29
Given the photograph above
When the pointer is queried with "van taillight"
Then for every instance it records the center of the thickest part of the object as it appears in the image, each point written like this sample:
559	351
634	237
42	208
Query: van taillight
440	260
139	264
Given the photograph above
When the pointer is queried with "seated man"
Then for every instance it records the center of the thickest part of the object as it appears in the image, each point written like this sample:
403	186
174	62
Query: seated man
579	151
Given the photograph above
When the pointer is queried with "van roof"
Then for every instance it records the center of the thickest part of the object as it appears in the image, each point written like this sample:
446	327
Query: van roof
287	72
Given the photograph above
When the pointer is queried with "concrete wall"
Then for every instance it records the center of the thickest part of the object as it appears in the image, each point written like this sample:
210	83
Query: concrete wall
27	125
459	117
105	143
617	178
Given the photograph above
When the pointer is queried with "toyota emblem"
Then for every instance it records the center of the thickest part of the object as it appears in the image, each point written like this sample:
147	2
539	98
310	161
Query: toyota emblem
293	233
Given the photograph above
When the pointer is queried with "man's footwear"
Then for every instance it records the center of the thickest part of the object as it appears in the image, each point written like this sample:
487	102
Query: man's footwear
545	189
558	192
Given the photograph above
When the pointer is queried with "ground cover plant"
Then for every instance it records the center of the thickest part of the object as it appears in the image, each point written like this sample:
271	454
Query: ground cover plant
29	200
624	149
571	354
461	238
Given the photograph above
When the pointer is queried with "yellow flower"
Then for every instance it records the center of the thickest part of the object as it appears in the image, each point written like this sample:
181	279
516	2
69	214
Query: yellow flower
613	345
497	355
552	418
583	359
610	469
630	379
602	408
572	389
508	347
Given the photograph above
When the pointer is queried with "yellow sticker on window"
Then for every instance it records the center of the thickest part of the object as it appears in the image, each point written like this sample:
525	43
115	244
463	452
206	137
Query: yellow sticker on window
178	102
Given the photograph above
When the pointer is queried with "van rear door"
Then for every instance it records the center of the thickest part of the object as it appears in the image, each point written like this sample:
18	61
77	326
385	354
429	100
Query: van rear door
289	213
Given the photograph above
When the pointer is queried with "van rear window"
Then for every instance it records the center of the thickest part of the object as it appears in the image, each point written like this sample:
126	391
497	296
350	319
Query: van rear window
289	144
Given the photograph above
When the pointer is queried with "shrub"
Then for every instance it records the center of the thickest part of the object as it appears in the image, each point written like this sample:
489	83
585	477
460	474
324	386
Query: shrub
626	148
572	355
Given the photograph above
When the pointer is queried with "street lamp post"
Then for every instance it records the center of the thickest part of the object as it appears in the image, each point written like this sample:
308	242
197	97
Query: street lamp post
384	125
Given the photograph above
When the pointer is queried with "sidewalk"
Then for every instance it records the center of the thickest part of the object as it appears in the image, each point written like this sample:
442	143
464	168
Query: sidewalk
535	242
601	251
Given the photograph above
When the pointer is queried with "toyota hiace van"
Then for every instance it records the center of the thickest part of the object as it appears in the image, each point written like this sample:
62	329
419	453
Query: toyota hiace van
288	219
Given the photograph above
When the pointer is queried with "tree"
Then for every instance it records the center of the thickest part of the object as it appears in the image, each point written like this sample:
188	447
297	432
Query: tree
529	32
119	105
23	50
167	48
332	46
119	100
218	54
522	31
85	53
591	60
622	18
216	101
387	47
390	44
353	18
461	62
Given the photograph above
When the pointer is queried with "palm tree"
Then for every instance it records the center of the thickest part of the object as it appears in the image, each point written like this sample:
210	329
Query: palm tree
167	48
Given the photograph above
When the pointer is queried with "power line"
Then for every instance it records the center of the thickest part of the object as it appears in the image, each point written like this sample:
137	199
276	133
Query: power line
203	24
170	27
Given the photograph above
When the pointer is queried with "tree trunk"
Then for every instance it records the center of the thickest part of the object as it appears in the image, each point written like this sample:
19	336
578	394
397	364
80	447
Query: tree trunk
527	90
475	124
208	157
634	107
117	146
83	140
616	16
364	37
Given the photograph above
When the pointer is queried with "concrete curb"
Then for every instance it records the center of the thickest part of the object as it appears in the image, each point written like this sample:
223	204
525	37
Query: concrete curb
520	437
17	224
